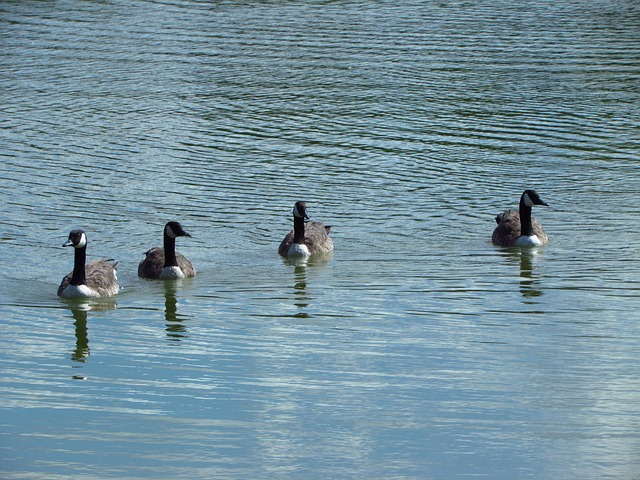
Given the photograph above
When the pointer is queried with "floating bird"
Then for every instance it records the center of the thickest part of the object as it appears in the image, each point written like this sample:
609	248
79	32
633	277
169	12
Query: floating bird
306	238
165	263
95	279
517	228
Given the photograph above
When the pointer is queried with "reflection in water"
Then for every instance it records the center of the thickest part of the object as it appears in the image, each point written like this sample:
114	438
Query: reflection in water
420	359
300	293
529	280
81	351
175	329
79	311
300	290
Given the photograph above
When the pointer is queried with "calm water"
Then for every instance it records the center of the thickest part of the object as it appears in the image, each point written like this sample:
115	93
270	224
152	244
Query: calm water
418	350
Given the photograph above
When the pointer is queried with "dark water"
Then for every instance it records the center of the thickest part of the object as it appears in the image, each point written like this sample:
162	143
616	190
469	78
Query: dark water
418	350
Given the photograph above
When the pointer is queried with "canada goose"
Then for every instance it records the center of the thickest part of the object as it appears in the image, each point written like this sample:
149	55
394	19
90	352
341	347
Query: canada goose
165	263
95	279
519	228
305	239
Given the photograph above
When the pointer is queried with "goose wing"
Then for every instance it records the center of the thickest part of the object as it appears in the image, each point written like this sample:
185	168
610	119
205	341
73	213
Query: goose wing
286	243
185	265
316	237
101	277
64	283
508	229
151	265
539	231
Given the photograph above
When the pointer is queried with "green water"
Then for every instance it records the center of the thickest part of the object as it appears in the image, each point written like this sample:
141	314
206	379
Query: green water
418	350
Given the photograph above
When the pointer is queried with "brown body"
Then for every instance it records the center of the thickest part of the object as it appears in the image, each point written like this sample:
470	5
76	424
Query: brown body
95	279
306	238
154	263
316	238
518	227
100	276
508	231
164	262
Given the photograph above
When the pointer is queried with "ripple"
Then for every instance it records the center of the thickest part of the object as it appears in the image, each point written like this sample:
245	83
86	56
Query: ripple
406	128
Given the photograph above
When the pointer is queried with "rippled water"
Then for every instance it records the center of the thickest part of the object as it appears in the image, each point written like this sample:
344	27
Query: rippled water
418	350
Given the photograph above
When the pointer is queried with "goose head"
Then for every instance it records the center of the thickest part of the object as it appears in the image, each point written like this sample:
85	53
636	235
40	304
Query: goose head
531	198
175	230
300	210
77	239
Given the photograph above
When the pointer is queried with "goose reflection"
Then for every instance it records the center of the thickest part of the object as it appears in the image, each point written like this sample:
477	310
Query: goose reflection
81	352
79	312
530	280
174	326
300	293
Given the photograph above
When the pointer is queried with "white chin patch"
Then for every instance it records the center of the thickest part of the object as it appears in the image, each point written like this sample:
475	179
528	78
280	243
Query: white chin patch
298	250
297	212
83	241
171	273
527	200
170	232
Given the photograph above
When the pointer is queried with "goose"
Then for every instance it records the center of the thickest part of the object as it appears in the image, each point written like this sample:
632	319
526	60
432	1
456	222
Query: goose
306	238
93	280
517	228
165	263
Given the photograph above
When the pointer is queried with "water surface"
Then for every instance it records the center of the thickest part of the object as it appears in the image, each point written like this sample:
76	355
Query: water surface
418	349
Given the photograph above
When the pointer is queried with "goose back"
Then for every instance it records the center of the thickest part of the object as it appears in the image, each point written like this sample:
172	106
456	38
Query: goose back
316	240
154	263
508	233
101	280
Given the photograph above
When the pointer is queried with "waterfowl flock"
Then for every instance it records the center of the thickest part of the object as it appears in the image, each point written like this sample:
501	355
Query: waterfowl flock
516	228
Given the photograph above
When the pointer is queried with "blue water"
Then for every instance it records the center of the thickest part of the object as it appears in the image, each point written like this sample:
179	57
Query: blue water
418	350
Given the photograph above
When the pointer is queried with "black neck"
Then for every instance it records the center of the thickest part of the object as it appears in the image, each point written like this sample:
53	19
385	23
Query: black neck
525	219
170	251
79	259
298	230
